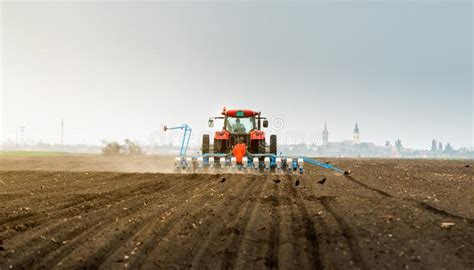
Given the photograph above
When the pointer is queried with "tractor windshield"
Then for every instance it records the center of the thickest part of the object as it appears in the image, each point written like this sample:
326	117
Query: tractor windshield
240	125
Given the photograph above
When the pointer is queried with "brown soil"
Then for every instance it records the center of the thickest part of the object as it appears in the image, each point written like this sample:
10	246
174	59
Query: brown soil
63	212
87	163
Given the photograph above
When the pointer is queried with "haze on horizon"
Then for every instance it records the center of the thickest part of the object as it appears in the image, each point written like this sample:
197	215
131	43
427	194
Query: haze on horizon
121	70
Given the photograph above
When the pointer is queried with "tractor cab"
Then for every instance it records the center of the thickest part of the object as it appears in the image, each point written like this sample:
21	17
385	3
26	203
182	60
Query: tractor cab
240	121
241	129
239	125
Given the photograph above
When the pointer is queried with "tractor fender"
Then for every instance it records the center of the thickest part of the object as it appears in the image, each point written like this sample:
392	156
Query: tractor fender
257	135
222	135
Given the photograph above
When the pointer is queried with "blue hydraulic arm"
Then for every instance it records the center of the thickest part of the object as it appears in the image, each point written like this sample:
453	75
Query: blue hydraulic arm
322	164
186	137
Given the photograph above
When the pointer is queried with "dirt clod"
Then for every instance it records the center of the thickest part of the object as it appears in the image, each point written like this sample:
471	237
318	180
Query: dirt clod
446	225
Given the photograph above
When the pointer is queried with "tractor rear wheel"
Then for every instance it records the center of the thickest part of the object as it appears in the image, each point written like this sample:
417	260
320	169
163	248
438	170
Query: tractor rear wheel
205	144
273	144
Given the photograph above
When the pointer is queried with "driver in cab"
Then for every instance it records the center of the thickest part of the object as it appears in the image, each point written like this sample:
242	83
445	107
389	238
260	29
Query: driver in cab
238	127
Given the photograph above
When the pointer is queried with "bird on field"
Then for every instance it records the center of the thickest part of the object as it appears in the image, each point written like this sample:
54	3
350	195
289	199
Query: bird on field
297	183
222	180
322	181
276	181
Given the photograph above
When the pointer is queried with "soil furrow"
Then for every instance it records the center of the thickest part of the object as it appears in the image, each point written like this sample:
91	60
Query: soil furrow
226	214
309	231
420	205
106	236
88	203
158	230
238	229
112	238
256	236
347	232
46	239
274	244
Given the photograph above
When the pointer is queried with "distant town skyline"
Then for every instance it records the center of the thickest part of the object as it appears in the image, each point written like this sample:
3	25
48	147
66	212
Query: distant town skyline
290	138
117	70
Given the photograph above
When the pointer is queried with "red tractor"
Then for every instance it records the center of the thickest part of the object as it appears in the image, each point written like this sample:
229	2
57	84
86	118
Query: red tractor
241	135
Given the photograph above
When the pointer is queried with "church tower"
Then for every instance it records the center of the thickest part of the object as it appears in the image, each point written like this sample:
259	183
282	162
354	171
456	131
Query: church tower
325	134
356	134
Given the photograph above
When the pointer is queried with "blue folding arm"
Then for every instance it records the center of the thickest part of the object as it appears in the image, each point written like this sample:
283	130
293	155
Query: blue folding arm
186	137
322	164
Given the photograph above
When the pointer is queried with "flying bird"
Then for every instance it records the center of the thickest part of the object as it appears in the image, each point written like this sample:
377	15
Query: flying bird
322	181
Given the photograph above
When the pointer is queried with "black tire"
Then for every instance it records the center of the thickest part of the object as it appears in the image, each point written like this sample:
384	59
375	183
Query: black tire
205	144
253	148
262	147
273	144
217	146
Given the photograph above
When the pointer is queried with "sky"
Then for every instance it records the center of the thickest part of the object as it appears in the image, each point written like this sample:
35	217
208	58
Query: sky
116	70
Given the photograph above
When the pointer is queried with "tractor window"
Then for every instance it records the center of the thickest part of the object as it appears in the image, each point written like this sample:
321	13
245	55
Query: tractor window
240	125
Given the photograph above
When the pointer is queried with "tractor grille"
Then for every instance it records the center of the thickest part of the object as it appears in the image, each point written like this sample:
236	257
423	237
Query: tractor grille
235	139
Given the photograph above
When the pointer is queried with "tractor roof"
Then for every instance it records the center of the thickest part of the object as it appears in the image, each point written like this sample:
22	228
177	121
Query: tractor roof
240	113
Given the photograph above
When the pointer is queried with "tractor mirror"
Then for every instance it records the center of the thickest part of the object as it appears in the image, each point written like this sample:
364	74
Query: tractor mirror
265	123
211	123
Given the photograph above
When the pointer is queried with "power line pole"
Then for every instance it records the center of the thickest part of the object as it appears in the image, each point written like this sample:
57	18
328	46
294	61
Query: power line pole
62	132
22	134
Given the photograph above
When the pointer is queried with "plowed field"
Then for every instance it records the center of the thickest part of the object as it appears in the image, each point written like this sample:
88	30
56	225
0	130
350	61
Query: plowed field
94	212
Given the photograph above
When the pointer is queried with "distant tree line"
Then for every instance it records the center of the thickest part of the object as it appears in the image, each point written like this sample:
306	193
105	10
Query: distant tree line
437	148
128	148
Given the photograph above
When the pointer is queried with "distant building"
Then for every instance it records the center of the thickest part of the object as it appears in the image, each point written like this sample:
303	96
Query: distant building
356	134
325	134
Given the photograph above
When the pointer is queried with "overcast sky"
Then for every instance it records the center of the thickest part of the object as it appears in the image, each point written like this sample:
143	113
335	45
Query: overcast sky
120	70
